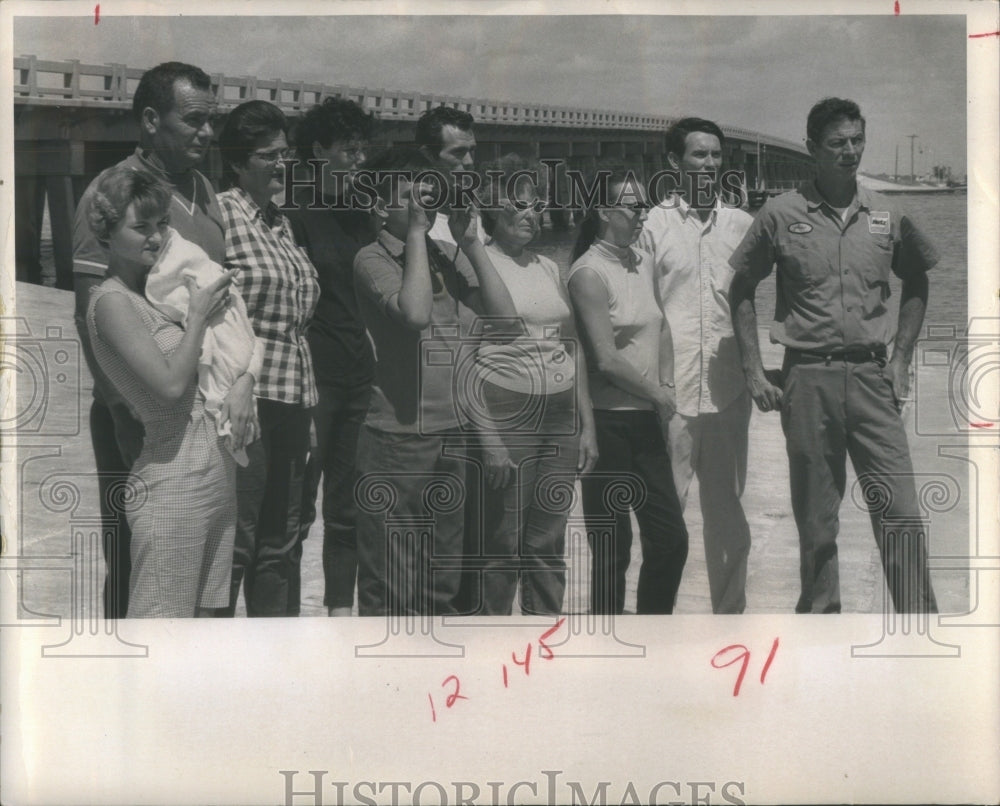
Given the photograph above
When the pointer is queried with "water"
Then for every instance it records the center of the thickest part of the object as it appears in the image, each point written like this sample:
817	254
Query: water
942	218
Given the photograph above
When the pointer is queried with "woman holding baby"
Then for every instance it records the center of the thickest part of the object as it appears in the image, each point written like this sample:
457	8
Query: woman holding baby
183	507
281	289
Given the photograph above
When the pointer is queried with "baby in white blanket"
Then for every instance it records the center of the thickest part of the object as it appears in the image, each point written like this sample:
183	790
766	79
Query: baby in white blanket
230	347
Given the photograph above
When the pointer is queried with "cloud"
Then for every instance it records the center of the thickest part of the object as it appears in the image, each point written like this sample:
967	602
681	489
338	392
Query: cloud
759	72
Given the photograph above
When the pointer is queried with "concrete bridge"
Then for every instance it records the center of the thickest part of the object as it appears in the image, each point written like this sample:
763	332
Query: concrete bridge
72	120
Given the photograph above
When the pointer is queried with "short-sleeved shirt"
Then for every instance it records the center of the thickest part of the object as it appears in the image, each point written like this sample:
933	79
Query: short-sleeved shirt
537	362
280	288
415	388
636	319
833	277
198	220
341	351
691	266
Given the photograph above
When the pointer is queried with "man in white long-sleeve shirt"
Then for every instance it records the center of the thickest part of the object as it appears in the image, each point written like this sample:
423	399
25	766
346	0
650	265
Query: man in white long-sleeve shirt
691	236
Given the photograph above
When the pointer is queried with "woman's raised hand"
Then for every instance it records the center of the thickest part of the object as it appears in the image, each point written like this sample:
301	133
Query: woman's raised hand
208	301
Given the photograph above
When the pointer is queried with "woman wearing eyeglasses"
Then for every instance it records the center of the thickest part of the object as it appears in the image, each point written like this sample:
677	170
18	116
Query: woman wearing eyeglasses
280	288
538	431
631	385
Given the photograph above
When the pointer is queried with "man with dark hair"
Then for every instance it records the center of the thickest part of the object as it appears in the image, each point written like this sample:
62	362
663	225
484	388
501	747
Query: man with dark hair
691	241
174	106
444	135
337	132
835	244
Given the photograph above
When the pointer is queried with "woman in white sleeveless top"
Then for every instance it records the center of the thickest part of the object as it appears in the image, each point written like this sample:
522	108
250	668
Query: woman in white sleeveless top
540	432
631	387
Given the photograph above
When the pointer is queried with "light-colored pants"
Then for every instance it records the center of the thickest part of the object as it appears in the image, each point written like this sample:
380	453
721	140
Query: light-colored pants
714	446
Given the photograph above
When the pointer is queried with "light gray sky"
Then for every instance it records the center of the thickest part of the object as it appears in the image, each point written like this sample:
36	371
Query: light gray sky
906	72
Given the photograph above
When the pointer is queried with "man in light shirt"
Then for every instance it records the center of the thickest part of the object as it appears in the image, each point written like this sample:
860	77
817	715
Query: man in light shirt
691	236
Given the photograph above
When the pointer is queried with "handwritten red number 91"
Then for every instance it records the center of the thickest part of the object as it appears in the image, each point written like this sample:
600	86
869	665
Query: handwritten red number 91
738	653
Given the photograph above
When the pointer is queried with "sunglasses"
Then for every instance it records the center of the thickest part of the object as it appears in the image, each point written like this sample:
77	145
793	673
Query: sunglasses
521	206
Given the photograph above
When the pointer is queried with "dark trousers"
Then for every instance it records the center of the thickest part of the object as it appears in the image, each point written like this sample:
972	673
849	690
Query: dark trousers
268	502
337	419
117	441
827	412
410	523
633	472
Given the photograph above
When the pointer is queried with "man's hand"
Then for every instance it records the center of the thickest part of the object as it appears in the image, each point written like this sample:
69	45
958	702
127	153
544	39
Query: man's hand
897	373
239	409
420	201
463	226
765	391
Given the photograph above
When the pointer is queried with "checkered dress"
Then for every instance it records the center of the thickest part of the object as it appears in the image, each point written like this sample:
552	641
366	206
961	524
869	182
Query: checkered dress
184	519
281	289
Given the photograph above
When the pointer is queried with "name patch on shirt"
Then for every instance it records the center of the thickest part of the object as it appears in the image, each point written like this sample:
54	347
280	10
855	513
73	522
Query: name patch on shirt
878	223
800	227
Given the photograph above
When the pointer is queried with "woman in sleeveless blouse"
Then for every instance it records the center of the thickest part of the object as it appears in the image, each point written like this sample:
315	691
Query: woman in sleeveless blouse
630	355
183	507
539	429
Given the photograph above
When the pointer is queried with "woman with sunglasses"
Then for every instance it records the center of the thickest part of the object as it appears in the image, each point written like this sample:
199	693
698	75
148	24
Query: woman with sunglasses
631	385
280	288
538	431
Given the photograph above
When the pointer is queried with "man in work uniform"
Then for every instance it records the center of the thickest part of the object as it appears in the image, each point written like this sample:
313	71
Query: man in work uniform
834	244
174	106
691	236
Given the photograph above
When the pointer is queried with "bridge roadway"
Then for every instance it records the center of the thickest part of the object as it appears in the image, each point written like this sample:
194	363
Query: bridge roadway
72	120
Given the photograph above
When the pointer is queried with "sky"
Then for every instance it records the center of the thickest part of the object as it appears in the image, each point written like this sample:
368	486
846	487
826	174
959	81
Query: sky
908	73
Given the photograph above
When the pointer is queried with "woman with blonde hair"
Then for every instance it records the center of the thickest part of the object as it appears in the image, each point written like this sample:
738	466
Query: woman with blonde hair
183	514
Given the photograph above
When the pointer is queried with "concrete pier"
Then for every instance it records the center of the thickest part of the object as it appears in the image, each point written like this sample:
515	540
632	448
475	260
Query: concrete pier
55	495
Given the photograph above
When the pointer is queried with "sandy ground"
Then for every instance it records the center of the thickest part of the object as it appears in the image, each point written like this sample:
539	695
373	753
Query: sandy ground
52	490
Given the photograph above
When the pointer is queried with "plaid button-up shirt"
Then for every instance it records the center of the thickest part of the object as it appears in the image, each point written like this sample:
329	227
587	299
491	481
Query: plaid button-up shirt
281	289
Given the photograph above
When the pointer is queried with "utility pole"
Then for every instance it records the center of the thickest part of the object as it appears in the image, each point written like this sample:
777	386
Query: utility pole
895	171
913	176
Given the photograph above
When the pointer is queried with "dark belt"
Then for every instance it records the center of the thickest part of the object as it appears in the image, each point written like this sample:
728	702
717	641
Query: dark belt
862	356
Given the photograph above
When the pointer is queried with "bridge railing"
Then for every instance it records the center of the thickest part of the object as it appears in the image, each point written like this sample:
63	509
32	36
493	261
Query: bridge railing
37	81
111	86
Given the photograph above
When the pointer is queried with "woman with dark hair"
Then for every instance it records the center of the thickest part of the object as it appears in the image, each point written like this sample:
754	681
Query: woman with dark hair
631	386
280	288
538	429
335	132
183	511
